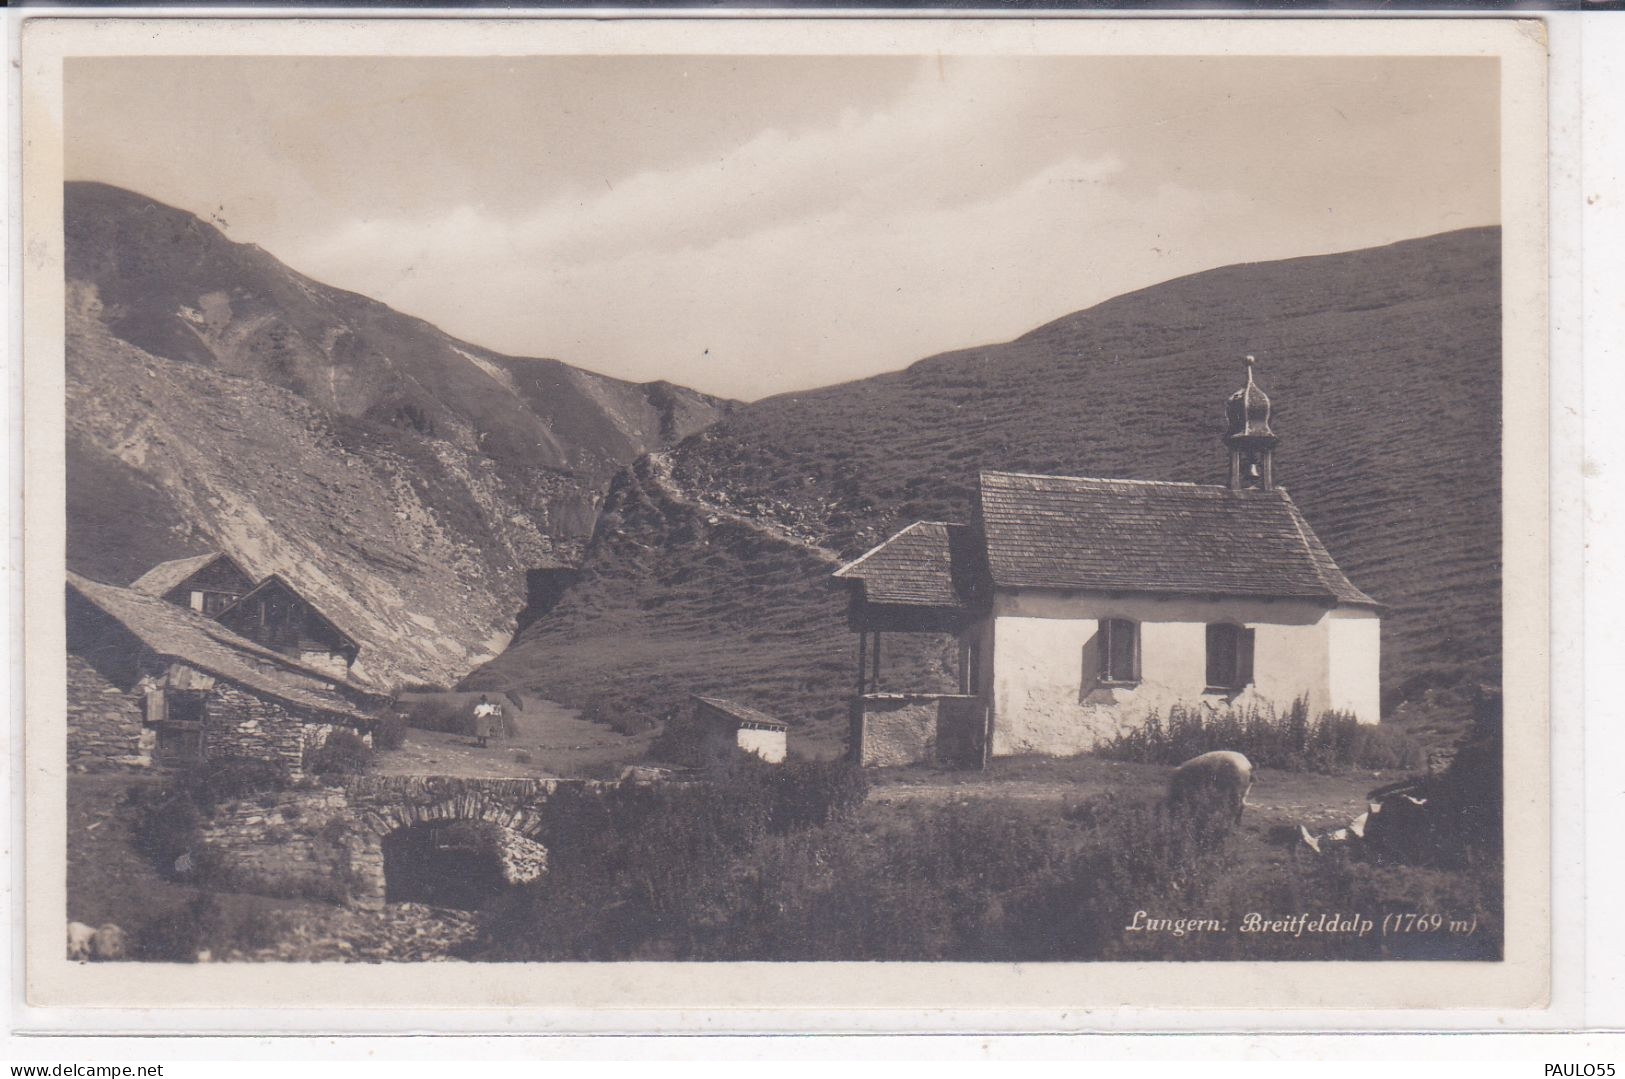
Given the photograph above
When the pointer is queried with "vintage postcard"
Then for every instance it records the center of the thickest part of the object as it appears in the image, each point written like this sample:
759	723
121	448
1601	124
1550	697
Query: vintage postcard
760	513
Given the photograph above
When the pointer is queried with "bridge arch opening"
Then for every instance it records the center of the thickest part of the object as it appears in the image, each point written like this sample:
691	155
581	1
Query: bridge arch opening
447	863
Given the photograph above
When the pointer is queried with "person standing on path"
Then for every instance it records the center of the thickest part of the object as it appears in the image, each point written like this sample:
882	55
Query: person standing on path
484	713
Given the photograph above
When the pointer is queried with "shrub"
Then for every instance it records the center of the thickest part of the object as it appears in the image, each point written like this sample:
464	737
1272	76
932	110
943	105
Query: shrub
1457	816
166	822
344	753
389	733
176	935
1379	747
230	779
1288	740
453	712
805	794
439	712
967	881
203	923
632	871
679	739
1128	853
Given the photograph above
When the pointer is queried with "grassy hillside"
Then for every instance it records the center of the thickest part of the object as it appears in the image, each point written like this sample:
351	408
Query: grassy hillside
404	479
1384	367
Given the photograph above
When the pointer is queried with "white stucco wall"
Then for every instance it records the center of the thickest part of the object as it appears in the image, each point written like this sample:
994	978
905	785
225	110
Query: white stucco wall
1043	688
1355	650
768	745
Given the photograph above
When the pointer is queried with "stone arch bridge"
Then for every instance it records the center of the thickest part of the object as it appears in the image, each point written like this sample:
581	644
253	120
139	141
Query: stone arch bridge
329	842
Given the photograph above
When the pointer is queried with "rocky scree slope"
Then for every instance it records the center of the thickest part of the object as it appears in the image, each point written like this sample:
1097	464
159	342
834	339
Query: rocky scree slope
406	480
1384	366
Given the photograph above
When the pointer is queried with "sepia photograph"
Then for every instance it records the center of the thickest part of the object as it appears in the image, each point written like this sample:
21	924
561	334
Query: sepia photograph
881	505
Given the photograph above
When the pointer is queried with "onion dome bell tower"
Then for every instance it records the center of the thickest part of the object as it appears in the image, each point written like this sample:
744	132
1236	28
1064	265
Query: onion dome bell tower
1249	438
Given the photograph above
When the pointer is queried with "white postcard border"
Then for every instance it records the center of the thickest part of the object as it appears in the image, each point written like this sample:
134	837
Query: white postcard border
728	996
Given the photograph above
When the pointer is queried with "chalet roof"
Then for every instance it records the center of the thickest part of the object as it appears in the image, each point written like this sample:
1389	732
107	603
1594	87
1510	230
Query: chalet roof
914	568
1141	536
742	713
277	580
160	579
190	638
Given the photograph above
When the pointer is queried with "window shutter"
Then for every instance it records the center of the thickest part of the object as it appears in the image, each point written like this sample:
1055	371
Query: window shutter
1106	650
155	705
1244	658
1217	638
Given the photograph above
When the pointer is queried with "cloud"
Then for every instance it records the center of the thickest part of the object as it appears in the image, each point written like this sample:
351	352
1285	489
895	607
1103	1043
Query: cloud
765	254
748	227
797	299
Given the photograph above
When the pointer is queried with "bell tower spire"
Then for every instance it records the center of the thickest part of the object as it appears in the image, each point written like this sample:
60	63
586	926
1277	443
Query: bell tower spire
1249	438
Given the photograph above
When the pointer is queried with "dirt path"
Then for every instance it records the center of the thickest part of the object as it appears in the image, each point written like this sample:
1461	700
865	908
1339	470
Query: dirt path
551	741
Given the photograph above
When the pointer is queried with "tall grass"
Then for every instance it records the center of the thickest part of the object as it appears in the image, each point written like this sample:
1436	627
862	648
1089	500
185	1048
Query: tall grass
708	871
1290	740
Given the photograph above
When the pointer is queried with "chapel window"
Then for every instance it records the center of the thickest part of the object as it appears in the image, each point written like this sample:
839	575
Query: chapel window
1119	651
1229	656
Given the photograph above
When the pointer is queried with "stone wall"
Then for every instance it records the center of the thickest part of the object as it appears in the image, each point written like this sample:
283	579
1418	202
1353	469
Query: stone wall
327	842
908	728
317	734
523	860
898	729
240	724
302	842
104	722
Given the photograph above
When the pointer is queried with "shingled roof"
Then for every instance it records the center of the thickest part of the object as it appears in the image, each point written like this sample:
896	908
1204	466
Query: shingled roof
158	580
1140	536
276	580
190	638
916	567
743	713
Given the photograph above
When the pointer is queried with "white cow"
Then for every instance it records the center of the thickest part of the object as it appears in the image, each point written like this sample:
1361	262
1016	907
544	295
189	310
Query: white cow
80	937
1214	784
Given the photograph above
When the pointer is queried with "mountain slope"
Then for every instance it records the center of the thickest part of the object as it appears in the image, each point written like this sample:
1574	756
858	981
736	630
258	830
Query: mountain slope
404	478
1384	366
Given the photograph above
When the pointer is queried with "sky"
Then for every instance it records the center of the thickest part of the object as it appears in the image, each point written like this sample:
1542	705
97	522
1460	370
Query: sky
757	225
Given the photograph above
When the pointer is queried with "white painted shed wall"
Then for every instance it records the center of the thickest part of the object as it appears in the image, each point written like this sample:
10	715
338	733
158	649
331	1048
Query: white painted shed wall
768	745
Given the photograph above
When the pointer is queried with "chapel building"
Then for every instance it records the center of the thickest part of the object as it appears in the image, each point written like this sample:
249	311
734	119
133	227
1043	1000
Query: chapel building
1080	606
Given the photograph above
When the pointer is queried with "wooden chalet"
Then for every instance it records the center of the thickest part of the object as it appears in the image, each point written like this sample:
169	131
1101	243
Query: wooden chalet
274	614
207	583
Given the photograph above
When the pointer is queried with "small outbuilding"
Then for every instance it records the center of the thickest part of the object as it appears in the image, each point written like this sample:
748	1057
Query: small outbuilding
722	725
